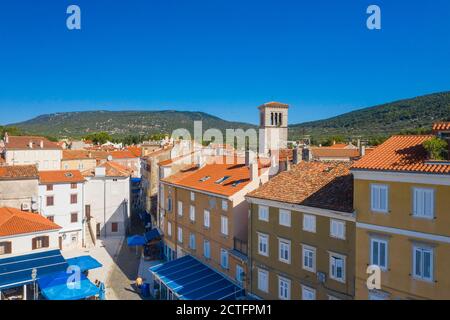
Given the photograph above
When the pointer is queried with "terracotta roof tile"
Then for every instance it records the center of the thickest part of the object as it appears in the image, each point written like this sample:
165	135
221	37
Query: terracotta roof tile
113	169
23	142
401	153
122	154
136	151
60	176
441	126
329	152
18	172
325	185
15	222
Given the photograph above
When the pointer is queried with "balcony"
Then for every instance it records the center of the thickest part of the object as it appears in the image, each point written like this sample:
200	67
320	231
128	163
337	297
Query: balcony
240	246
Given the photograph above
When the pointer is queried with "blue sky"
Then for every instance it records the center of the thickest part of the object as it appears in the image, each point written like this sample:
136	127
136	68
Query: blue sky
224	57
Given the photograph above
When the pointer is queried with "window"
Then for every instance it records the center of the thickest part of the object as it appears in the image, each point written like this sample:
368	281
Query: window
224	258
423	263
114	227
309	223
49	187
308	293
263	280
337	267
51	218
180	208
337	229
169	204
73	198
74	217
309	258
192	241
379	198
263	213
206	218
5	247
284	288
284	218
223	179
73	186
192	213
224	205
239	274
206	249
224	225
263	244
192	196
40	242
50	201
169	228
423	203
180	235
284	250
379	253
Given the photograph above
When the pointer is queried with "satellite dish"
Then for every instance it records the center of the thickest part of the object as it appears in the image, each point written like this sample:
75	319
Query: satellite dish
110	158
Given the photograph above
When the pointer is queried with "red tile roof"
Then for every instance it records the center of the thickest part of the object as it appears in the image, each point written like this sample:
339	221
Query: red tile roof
441	126
23	142
113	169
401	153
325	185
60	176
136	151
18	172
15	222
329	152
217	168
274	104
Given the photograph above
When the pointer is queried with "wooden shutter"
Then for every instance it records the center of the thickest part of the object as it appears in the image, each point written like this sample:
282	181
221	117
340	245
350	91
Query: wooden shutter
33	244
8	247
46	241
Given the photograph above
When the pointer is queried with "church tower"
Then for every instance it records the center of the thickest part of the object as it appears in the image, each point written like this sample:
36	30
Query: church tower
273	126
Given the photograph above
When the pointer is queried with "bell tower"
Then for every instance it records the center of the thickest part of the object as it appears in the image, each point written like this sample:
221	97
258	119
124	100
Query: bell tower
273	126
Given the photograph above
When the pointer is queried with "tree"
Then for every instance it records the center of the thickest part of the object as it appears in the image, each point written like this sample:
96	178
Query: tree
436	148
99	137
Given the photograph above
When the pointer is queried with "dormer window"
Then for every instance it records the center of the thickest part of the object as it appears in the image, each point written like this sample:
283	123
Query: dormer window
223	179
206	178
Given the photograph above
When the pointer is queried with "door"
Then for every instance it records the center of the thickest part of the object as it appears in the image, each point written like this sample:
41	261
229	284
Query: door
60	242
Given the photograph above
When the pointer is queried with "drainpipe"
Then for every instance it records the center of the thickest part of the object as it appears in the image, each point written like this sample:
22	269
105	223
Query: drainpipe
104	206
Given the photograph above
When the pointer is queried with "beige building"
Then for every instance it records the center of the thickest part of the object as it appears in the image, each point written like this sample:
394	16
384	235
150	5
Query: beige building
273	125
402	204
19	187
302	234
80	159
204	213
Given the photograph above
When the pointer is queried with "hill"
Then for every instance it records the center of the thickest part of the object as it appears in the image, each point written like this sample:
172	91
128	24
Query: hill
407	115
121	123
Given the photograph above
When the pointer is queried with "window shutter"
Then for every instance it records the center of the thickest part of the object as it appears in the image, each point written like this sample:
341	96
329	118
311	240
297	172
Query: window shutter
428	203
374	197
33	244
46	242
8	247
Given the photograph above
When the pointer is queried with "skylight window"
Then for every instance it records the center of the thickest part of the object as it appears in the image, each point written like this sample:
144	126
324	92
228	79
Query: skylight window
223	179
238	182
204	178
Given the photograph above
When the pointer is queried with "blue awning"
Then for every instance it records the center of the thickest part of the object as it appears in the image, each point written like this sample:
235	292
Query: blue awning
85	263
134	241
190	279
16	271
58	287
152	235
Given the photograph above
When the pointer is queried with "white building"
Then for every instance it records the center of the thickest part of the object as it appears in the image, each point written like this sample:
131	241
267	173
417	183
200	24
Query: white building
29	150
61	201
107	199
273	124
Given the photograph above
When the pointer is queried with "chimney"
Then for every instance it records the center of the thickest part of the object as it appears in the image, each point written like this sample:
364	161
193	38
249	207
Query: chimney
362	150
6	137
254	174
288	165
30	144
42	144
306	154
297	155
100	172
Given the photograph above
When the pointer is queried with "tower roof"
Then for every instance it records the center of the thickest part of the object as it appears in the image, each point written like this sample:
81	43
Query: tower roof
273	104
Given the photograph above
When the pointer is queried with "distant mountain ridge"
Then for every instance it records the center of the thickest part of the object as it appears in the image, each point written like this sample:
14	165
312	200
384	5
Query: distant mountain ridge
382	120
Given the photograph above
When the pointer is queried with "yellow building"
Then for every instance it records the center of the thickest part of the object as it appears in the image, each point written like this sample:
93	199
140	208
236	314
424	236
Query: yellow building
402	202
301	234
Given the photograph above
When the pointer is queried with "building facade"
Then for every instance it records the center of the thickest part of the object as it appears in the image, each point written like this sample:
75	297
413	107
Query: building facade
19	187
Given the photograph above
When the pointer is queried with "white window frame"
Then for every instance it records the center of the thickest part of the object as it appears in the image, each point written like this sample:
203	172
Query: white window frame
310	291
281	244
224	205
284	217
423	249
263	286
305	249
207	249
180	235
239	276
378	207
263	213
192	213
180	208
206	218
386	254
344	266
284	288
262	236
313	218
192	239
192	196
169	228
224	225
224	259
335	222
416	213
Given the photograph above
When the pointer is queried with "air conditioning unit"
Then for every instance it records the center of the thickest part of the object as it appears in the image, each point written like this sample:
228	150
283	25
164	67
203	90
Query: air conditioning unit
321	277
34	206
25	207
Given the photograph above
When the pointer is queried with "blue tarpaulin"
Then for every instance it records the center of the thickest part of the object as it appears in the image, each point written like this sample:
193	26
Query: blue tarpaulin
85	263
152	235
190	279
136	240
16	271
58	286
